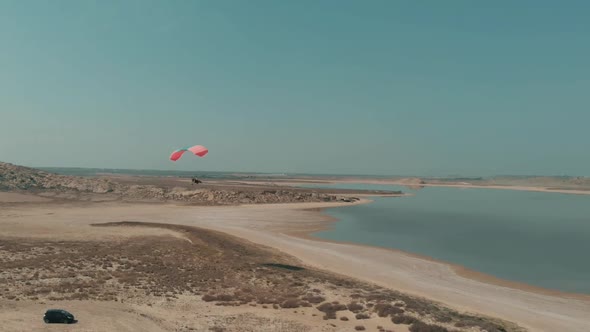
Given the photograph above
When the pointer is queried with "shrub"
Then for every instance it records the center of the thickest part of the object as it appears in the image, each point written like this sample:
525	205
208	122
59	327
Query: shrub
355	307
359	328
491	327
290	303
384	310
315	299
330	315
339	307
344	318
362	316
443	319
305	304
403	319
208	298
419	326
324	307
225	297
329	309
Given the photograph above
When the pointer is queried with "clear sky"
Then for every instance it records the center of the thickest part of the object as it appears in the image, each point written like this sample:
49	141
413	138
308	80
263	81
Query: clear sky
373	87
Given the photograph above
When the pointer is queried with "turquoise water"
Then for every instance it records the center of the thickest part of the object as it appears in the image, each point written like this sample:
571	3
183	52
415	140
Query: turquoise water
542	239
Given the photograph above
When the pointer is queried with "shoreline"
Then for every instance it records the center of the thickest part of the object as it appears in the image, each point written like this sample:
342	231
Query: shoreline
536	309
460	270
470	186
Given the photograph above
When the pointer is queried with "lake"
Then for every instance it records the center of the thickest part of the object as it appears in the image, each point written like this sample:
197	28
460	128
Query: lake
541	239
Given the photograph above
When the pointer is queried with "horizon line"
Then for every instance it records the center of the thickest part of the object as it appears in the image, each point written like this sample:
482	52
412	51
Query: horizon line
474	177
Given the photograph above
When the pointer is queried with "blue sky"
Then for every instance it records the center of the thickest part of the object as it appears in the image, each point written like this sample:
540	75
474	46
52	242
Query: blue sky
373	87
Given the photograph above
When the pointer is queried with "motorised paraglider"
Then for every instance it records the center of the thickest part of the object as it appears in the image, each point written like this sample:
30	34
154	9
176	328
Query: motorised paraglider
197	150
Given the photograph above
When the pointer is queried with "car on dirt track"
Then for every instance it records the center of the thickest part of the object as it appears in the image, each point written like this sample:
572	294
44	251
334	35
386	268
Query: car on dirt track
58	316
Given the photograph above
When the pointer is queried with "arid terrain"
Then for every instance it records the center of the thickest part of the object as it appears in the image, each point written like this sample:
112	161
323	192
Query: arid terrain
125	264
188	278
58	251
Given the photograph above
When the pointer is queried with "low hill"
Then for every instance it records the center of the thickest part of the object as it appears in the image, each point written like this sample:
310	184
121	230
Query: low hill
14	177
24	179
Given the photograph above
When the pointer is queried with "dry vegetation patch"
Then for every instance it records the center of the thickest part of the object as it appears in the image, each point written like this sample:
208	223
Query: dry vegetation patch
212	267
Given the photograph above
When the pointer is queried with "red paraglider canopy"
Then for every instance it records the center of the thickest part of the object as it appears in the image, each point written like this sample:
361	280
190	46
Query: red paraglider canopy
197	150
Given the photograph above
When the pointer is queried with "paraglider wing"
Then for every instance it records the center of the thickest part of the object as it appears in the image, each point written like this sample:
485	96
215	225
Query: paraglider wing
177	154
199	150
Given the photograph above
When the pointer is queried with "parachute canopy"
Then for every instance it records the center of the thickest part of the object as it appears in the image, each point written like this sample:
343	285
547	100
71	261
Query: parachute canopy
197	150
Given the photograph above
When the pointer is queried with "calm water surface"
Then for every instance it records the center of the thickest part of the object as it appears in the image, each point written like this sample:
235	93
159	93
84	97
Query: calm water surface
542	239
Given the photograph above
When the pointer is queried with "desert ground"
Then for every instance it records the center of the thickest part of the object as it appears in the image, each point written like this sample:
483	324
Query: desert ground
156	267
122	262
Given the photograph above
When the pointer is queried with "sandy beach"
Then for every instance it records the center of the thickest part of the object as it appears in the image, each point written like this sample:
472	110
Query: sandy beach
285	227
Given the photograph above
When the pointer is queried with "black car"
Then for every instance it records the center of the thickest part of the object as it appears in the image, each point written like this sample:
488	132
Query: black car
58	316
